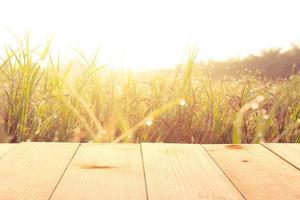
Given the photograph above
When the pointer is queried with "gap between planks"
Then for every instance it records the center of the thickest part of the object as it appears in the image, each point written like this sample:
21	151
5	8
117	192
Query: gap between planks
184	171
104	171
257	172
5	148
145	178
64	171
289	152
32	170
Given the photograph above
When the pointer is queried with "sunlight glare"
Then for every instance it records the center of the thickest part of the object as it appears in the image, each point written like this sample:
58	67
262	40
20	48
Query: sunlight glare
151	34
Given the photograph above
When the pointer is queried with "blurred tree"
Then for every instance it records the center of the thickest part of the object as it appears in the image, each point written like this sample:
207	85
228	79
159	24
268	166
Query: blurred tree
270	64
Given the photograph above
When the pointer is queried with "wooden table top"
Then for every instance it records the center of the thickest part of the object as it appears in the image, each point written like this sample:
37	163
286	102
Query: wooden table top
149	171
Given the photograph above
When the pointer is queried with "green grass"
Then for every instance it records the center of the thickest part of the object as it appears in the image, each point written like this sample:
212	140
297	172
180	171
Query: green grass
89	102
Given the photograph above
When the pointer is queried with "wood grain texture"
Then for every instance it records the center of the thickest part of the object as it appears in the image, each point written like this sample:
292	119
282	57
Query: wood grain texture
181	171
104	171
5	147
32	170
257	172
289	152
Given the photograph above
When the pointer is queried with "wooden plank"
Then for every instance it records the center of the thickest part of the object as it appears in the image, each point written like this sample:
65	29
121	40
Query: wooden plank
183	171
5	147
32	170
104	171
257	172
289	152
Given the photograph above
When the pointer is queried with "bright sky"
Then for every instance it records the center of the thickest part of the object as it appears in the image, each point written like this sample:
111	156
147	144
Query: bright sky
154	33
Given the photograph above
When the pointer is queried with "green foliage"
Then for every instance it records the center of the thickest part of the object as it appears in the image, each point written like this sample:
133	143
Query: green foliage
43	100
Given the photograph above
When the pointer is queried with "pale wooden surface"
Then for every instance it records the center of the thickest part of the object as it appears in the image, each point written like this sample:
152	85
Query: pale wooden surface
149	171
289	152
104	171
257	172
184	172
32	170
4	148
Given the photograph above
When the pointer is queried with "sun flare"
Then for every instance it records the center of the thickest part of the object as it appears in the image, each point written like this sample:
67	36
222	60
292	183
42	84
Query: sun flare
153	34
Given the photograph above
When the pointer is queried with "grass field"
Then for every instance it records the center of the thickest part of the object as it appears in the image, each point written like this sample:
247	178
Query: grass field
44	100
